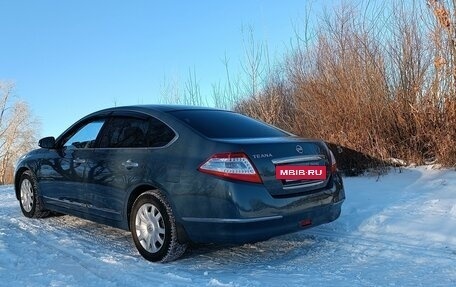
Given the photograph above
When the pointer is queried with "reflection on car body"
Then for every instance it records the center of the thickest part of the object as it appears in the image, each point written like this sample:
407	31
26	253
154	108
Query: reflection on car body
178	174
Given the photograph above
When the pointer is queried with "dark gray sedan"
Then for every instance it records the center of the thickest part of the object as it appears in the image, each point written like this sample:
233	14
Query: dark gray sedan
178	174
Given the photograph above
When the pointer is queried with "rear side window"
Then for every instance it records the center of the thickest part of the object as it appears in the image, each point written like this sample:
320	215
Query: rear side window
224	124
127	132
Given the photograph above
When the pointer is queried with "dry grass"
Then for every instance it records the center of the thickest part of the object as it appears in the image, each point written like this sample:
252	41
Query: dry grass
384	87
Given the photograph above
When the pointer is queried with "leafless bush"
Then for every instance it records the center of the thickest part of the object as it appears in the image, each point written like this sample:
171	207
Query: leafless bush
274	105
190	94
376	79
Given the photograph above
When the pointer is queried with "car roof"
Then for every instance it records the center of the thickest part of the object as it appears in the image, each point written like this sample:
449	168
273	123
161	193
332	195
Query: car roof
141	109
160	108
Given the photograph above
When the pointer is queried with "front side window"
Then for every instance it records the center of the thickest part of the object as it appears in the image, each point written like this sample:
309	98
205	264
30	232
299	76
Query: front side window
86	136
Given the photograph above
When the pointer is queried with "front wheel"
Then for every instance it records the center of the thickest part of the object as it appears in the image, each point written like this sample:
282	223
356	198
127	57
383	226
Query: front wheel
30	202
153	228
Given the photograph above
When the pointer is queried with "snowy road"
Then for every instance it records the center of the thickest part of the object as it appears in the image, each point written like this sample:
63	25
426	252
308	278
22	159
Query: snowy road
397	231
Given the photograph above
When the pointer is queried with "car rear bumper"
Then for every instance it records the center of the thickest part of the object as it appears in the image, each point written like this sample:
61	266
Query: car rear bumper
232	212
247	230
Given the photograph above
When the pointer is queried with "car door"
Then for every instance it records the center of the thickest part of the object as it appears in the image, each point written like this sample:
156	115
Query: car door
63	176
125	158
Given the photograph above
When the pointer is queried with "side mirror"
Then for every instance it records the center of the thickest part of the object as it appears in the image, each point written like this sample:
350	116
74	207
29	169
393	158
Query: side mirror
47	142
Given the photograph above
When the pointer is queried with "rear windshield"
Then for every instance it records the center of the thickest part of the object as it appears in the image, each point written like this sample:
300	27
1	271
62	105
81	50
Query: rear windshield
224	124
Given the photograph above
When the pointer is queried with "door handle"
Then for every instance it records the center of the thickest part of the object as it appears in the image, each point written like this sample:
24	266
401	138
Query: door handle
130	164
79	160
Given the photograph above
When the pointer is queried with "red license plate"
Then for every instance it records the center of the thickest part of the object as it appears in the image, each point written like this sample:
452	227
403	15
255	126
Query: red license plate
297	172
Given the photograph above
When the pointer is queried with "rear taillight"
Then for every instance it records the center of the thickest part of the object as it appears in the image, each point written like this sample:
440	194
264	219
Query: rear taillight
231	165
333	162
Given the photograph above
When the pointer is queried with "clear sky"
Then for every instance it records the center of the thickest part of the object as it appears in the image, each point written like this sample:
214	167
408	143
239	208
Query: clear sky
70	58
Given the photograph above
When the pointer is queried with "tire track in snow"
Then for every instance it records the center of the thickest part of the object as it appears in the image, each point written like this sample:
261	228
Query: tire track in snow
377	241
56	249
86	243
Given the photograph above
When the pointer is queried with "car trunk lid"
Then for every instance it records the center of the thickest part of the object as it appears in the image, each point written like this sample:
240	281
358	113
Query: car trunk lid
268	153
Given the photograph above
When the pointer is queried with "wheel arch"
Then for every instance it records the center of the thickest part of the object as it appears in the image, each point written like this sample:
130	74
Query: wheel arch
137	191
17	179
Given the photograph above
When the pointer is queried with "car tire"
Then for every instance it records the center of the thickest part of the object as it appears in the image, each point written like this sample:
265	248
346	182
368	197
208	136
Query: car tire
29	199
153	228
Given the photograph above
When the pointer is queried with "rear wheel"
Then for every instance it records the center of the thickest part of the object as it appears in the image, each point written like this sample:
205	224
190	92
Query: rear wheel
153	228
30	202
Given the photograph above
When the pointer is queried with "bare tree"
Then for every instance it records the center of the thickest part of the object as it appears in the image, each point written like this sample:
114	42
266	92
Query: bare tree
172	91
227	95
18	131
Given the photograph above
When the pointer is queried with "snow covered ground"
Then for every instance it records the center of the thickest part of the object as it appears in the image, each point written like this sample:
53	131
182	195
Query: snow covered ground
399	230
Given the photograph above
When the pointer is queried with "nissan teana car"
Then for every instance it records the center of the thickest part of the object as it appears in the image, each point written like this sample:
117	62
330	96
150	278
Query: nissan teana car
177	174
